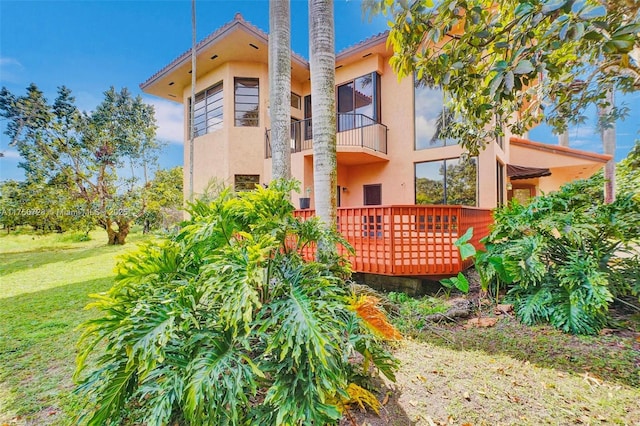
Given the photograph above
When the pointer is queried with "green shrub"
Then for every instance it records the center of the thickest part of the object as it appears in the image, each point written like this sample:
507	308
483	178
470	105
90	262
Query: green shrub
565	256
227	324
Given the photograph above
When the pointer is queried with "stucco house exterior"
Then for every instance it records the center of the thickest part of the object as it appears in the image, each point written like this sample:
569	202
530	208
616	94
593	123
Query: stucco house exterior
389	152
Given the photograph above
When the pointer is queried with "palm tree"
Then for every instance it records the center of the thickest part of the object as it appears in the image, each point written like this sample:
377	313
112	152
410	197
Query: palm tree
608	133
192	130
322	65
280	87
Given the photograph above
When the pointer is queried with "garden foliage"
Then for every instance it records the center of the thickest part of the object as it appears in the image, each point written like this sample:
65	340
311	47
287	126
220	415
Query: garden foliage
227	323
565	256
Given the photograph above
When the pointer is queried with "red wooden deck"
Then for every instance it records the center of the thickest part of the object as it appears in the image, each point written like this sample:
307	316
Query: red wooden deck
412	240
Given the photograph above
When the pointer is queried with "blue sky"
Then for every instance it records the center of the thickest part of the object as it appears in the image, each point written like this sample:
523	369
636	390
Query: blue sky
89	46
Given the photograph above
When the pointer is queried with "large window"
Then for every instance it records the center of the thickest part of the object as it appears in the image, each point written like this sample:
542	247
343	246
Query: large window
357	98
247	100
208	110
452	181
430	116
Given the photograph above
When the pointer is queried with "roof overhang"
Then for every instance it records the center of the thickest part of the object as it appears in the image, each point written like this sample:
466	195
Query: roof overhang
374	45
560	150
236	41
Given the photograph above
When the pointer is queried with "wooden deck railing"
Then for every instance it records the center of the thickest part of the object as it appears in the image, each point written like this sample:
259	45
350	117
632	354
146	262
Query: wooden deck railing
409	240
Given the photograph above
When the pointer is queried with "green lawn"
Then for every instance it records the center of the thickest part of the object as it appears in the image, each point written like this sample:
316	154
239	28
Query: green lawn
44	286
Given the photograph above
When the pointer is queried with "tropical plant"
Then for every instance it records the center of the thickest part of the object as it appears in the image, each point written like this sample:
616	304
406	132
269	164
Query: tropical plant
565	256
226	323
467	250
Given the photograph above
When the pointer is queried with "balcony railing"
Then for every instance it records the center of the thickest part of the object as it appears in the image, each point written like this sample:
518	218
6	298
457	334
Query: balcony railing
408	240
353	130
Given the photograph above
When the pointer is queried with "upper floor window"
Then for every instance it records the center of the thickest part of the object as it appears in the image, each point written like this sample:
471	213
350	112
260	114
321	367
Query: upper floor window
208	110
451	181
430	116
296	101
247	102
357	98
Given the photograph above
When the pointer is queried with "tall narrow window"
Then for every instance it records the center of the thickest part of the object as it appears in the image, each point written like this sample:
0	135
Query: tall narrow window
308	132
430	116
499	183
247	100
452	181
208	110
359	102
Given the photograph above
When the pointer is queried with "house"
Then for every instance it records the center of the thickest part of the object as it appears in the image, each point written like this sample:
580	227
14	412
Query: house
399	183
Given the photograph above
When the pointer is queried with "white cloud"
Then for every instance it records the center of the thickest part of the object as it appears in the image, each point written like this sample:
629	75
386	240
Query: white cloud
11	154
169	116
10	70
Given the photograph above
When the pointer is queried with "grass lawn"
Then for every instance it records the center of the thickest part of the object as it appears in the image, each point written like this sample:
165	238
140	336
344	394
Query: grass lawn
44	286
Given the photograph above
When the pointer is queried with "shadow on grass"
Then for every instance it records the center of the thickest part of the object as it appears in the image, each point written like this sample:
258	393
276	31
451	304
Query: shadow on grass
19	261
38	335
612	357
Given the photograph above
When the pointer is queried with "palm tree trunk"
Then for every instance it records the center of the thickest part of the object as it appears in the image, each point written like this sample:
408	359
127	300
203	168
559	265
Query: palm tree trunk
609	145
280	87
192	129
322	65
563	138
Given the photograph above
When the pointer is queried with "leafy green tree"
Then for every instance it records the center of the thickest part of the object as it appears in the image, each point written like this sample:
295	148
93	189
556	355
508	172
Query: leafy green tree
164	200
10	204
88	152
227	324
628	172
544	60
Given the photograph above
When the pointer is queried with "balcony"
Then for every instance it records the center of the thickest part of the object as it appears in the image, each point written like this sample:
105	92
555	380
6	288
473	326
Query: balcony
408	240
359	139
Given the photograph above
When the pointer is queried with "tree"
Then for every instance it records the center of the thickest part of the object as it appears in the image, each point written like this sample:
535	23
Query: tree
88	153
322	64
280	87
537	60
164	200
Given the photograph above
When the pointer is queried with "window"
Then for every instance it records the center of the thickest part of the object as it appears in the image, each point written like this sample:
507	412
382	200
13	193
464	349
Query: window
245	182
208	110
308	131
452	181
372	194
359	102
296	101
499	183
247	97
430	116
